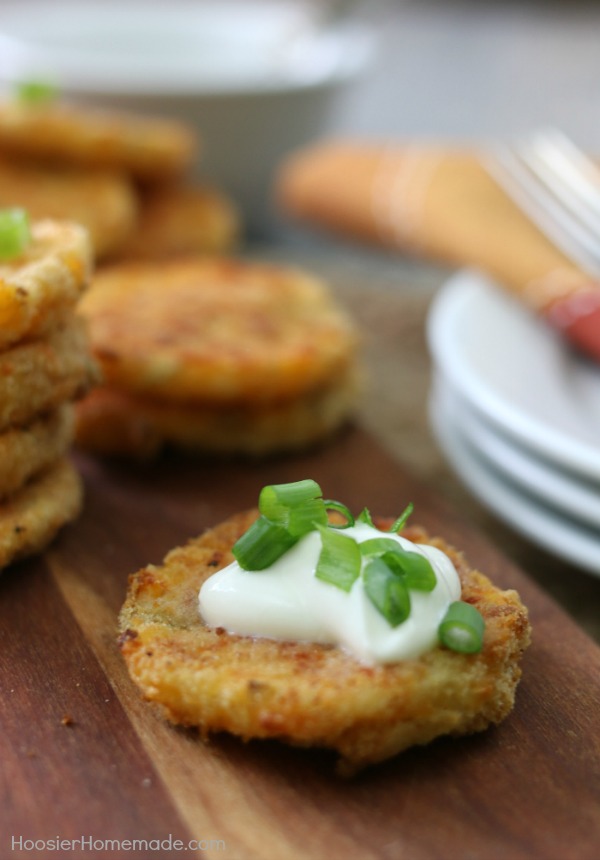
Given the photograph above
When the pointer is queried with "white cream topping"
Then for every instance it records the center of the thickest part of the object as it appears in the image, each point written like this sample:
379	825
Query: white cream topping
286	601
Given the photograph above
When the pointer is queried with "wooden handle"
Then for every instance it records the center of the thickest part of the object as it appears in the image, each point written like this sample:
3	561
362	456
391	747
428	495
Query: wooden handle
441	204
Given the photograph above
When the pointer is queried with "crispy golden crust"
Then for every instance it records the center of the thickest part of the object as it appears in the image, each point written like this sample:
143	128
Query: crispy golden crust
31	518
40	286
308	694
216	330
27	451
148	148
39	375
178	220
113	422
104	203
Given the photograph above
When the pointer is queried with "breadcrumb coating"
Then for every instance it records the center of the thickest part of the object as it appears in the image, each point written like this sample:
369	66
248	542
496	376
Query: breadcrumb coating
220	330
39	375
27	451
42	285
113	422
31	517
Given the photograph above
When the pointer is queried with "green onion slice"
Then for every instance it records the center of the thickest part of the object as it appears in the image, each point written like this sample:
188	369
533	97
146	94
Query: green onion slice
276	499
462	628
297	506
331	505
15	233
377	546
339	560
365	517
262	544
36	92
402	519
386	591
306	517
414	567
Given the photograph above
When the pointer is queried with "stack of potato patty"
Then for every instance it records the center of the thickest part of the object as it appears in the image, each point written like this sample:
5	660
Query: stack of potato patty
217	355
121	175
45	364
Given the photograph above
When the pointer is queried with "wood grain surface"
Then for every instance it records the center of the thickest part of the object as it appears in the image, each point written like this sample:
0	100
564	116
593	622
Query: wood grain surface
83	756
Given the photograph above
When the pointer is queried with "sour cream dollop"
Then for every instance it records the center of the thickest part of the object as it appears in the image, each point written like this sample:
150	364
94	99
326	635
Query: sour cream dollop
286	601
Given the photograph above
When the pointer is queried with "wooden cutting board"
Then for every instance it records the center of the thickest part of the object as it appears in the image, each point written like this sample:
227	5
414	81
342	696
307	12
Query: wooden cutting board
83	756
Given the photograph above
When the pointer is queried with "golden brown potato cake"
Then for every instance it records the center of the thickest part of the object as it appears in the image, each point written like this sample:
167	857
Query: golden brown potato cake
147	148
104	203
31	518
27	451
39	375
225	331
42	284
304	693
114	422
179	220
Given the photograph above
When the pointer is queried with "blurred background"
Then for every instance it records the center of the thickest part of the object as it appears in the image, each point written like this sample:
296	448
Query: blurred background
260	77
474	69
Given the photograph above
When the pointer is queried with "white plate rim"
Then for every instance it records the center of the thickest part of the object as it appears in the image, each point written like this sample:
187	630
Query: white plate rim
533	434
562	490
349	49
565	539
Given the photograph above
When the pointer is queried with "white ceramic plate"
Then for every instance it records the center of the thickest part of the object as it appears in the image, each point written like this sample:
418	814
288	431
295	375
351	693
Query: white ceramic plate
517	373
560	535
562	490
176	47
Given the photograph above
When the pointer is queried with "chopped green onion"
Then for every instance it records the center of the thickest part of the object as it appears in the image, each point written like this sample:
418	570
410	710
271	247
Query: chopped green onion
289	511
339	560
377	546
262	544
331	505
306	517
15	233
415	568
387	592
365	517
401	521
35	92
297	506
275	500
462	628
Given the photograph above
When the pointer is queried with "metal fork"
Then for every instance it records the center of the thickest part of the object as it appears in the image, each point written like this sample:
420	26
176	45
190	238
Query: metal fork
558	187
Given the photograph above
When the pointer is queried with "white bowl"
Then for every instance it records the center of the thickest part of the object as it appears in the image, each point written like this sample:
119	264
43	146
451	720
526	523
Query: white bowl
256	79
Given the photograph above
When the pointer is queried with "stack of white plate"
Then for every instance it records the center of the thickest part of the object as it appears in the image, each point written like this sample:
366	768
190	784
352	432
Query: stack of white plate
517	414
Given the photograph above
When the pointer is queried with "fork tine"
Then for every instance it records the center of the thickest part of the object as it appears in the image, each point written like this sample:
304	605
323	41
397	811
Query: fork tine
573	163
519	175
568	172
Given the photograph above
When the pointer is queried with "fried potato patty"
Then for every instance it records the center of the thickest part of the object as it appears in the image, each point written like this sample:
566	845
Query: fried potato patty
27	451
304	693
114	422
216	330
104	203
39	286
147	148
31	518
180	220
39	375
